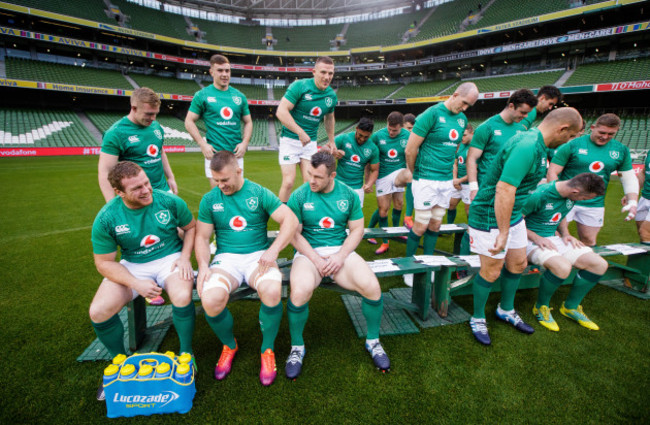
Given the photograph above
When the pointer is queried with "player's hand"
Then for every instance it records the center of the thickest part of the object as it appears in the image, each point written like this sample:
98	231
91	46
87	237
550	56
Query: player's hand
320	264
203	276
629	208
172	185
499	244
456	183
334	264
573	241
240	150
304	138
472	194
367	188
147	288
266	260
208	151
545	243
184	267
338	153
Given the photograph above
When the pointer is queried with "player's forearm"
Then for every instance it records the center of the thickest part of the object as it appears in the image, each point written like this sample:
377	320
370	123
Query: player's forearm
202	251
351	242
329	128
167	169
116	272
287	231
532	236
471	167
372	178
504	201
302	246
287	120
188	243
191	128
247	133
106	188
563	228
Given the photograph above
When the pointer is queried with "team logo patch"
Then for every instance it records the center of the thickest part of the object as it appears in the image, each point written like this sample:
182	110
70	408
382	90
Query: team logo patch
403	143
342	205
226	113
614	154
238	223
328	101
308	96
149	240
543	162
382	142
556	217
549	206
367	152
252	203
163	216
355	158
453	135
212	99
498	133
596	166
461	122
583	152
122	228
158	134
392	153
461	160
309	206
569	204
153	151
217	207
316	111
134	139
326	223
349	146
237	100
443	120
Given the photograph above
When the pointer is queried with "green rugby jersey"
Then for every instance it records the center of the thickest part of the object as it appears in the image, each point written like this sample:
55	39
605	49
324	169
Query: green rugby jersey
324	216
142	145
391	150
521	163
240	220
145	234
461	156
581	155
442	132
222	112
544	209
310	105
645	191
530	119
490	137
350	168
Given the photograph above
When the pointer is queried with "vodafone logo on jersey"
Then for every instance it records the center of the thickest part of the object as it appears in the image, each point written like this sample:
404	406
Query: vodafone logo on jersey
453	134
316	111
461	160
355	158
556	218
392	153
238	223
149	240
326	223
153	150
596	166
226	113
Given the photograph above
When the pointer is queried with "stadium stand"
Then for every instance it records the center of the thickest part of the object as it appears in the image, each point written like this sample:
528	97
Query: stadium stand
252	92
166	84
260	133
368	92
381	32
23	69
429	88
605	72
103	120
42	128
340	126
224	34
92	10
445	20
513	82
511	10
278	92
154	21
305	38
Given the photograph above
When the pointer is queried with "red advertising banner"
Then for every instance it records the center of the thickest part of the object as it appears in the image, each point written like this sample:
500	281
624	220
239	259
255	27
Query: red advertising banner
13	152
628	85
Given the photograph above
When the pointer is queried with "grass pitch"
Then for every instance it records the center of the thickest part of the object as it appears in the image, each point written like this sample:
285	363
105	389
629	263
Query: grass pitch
439	375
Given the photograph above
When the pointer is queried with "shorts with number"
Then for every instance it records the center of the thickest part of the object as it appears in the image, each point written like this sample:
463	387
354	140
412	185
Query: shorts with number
208	172
239	266
481	241
361	194
429	193
539	256
157	270
589	216
643	209
462	194
292	151
386	184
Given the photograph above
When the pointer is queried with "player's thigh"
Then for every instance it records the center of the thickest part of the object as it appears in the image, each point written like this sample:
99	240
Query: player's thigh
217	289
383	202
398	200
304	168
403	178
453	203
288	172
356	275
587	234
591	262
558	265
303	280
268	284
490	267
109	300
179	290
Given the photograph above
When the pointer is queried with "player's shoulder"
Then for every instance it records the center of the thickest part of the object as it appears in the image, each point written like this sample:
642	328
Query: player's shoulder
118	126
236	92
404	133
166	198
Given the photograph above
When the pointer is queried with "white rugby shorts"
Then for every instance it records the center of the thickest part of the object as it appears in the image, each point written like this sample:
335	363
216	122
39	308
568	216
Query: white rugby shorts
481	241
291	151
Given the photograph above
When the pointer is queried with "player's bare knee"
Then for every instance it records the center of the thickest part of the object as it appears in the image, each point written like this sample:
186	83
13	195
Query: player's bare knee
214	300
434	225
99	312
300	294
491	274
181	298
270	291
370	288
597	264
561	269
517	266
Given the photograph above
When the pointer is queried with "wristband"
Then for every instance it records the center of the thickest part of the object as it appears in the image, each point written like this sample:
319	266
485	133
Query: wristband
473	186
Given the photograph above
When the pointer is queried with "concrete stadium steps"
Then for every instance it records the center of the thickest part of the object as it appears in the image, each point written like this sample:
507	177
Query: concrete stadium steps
42	128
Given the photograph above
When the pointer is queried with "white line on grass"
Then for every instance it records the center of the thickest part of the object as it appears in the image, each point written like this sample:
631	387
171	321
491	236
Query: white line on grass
40	235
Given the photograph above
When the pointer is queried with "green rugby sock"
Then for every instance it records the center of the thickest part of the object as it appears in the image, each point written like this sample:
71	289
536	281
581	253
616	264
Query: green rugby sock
374	219
184	318
111	334
582	284
451	216
396	216
383	222
509	284
372	311
409	201
429	243
297	320
548	284
270	318
481	290
222	325
412	243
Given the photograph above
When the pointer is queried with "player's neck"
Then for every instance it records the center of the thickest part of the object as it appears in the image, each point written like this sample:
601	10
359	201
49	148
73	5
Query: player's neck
505	117
220	88
330	187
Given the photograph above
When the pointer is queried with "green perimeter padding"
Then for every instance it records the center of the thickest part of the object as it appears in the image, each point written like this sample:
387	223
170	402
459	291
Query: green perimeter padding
455	313
394	320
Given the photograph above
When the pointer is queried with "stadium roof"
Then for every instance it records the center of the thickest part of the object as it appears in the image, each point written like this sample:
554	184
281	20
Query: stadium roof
294	8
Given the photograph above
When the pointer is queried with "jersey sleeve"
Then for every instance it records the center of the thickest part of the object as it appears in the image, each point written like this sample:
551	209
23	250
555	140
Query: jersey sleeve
424	123
626	164
355	212
197	105
270	201
244	106
562	155
335	100
293	93
103	242
205	213
184	215
481	136
111	143
374	158
339	141
294	203
533	202
519	162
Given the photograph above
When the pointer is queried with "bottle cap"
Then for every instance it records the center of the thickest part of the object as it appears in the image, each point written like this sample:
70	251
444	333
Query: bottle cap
162	368
145	370
119	359
127	370
111	370
170	354
185	358
183	368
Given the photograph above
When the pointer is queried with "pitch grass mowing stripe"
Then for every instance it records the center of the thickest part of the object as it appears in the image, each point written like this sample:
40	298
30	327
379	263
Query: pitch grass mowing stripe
42	235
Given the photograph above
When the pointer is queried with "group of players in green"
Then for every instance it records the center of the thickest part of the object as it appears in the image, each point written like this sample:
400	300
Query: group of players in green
498	171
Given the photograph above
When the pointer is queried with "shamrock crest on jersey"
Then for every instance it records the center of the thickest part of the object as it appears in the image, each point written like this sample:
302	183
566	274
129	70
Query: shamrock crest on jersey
596	166
326	223
342	205
226	113
237	100
252	203
614	154
158	134
153	151
328	101
149	240
163	216
238	223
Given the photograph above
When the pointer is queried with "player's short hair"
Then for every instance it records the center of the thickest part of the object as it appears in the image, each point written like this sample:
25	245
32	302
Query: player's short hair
324	158
324	59
218	59
550	92
410	118
609	120
523	96
588	183
122	170
144	95
221	159
395	118
470	128
366	124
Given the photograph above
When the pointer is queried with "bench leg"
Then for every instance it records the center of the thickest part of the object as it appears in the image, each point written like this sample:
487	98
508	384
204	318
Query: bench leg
441	291
421	295
137	322
638	281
